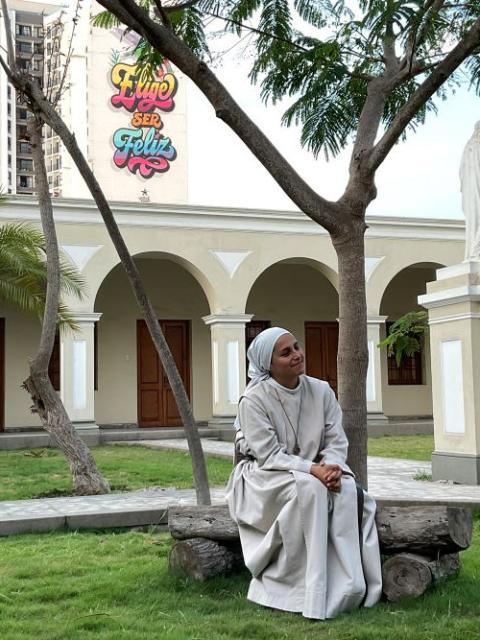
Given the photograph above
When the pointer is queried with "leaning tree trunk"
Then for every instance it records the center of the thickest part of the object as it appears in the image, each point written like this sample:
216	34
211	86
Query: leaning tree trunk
54	120
86	477
352	358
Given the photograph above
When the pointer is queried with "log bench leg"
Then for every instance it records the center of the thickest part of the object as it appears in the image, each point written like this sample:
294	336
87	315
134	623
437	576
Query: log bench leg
408	575
201	559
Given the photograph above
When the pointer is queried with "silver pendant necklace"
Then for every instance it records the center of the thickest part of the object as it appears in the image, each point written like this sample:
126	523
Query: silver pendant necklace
296	448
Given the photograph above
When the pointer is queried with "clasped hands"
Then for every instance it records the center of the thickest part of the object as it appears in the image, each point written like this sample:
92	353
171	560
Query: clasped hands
329	474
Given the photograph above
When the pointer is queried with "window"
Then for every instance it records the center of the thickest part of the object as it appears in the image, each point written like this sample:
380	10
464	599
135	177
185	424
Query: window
23	30
39	32
24	47
410	370
38	48
25	165
25	182
22	114
24	147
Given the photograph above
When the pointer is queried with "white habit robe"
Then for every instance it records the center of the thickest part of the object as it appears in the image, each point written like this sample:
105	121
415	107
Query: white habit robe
299	540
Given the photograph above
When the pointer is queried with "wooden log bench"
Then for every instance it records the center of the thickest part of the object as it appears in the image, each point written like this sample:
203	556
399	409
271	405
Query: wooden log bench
420	545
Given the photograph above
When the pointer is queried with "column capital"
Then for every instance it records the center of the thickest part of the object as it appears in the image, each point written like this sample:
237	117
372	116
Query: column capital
376	319
87	317
225	319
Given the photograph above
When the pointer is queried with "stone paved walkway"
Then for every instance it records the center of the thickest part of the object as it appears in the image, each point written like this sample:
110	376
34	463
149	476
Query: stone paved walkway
389	479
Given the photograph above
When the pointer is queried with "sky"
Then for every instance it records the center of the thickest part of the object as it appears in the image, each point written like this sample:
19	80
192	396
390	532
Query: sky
419	178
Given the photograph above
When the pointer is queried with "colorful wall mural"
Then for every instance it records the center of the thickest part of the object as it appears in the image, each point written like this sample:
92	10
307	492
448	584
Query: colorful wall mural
140	147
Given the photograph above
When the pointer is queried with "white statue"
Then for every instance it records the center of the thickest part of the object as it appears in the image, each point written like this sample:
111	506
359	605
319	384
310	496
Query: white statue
470	186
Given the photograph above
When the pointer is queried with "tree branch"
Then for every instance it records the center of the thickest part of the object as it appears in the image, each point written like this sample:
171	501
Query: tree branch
322	211
439	75
8	33
163	13
255	30
418	35
170	8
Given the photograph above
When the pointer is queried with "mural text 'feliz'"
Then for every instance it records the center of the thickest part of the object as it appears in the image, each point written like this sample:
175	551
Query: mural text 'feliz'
143	148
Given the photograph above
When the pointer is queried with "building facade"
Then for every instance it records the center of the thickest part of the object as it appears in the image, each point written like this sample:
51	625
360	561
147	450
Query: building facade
216	277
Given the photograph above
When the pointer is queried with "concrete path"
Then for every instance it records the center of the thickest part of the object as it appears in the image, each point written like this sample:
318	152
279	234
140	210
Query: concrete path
390	480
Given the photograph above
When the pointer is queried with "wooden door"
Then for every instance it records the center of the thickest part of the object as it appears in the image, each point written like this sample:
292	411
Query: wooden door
156	404
321	346
2	374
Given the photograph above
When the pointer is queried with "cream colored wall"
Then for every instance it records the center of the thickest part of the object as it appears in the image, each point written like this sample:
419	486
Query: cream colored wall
175	295
290	294
399	298
22	335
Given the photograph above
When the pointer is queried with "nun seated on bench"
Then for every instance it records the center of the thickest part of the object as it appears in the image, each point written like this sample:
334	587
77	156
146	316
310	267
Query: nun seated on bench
307	531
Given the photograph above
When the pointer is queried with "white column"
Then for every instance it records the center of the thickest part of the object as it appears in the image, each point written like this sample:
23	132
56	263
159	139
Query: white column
453	303
375	333
228	365
77	372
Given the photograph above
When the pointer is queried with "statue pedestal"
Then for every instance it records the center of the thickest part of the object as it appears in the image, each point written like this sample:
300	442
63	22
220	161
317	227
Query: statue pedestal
453	303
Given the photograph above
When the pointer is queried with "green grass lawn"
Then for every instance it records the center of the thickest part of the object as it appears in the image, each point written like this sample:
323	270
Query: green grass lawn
40	472
115	586
43	472
406	447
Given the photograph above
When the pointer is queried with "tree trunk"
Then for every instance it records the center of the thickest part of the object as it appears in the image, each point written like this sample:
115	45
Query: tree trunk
50	116
424	529
352	358
408	575
86	477
201	559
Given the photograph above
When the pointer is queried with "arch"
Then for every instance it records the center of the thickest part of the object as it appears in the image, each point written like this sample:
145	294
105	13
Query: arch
411	281
103	271
393	265
323	268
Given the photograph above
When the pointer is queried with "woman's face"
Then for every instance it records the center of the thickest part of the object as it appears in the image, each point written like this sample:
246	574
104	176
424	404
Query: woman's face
288	360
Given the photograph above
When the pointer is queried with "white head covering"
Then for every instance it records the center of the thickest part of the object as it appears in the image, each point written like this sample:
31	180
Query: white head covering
259	356
260	352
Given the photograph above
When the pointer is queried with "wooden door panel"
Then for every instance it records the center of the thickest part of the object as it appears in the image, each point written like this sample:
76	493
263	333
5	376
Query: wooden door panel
149	402
313	351
156	404
330	345
148	358
176	335
321	346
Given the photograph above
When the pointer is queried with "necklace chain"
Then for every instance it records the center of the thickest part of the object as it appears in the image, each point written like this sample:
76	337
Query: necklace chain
296	448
